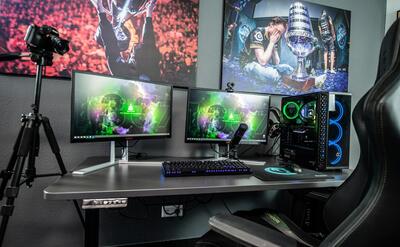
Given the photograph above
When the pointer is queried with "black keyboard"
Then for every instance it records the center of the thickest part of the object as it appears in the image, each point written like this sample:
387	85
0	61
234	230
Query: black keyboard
203	168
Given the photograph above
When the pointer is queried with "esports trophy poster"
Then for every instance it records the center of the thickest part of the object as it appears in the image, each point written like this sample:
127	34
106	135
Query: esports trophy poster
285	47
137	39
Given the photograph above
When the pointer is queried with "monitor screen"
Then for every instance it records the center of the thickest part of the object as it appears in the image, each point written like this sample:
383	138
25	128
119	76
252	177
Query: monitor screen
106	108
213	116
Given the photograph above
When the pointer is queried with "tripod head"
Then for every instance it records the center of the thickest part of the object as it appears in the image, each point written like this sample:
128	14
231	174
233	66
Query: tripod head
42	42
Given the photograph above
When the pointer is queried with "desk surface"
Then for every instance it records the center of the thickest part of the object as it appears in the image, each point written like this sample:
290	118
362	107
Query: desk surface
142	179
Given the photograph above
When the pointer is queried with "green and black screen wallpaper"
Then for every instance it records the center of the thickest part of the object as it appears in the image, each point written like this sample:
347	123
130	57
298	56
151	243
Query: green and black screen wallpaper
214	116
106	107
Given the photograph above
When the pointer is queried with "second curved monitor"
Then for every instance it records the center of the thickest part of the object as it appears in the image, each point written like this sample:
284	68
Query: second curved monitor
213	116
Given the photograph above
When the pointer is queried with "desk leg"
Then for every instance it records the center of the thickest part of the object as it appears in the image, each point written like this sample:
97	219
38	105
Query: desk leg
92	227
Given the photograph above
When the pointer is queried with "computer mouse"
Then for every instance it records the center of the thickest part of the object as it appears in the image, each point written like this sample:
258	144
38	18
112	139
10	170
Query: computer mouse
293	168
297	169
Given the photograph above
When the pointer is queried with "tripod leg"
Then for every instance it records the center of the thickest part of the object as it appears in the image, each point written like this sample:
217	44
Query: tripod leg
30	171
53	143
12	191
11	194
6	174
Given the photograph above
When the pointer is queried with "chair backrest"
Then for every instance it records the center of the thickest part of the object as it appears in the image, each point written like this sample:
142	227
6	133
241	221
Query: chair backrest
375	216
350	193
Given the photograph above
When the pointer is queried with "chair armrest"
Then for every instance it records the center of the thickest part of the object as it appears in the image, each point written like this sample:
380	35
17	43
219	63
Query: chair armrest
248	232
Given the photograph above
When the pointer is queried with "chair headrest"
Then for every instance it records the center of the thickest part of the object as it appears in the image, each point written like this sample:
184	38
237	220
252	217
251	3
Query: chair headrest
389	49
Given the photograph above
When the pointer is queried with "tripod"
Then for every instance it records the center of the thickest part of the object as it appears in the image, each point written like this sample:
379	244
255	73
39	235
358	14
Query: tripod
27	146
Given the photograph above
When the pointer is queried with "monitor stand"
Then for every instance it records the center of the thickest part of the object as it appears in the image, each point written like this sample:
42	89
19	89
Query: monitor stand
217	154
231	154
112	162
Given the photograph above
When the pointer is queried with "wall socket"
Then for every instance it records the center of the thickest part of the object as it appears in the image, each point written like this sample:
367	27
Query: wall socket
170	211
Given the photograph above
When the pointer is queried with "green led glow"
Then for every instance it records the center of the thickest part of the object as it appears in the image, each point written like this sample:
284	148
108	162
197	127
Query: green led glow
285	108
130	108
232	117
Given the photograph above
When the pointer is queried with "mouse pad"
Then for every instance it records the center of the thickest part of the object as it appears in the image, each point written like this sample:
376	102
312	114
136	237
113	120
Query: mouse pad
276	173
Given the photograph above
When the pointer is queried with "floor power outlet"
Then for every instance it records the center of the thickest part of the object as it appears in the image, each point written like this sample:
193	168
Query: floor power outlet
171	211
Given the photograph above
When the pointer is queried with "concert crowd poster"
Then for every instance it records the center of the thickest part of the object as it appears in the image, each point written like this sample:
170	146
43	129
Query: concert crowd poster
152	40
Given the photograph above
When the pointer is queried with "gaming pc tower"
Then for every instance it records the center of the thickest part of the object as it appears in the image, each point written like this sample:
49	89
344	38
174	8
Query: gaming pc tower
315	131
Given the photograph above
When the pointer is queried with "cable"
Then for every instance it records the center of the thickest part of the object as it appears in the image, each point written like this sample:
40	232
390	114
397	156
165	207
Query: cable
273	144
219	153
276	149
226	154
139	156
226	206
134	144
215	151
272	147
136	154
276	112
123	145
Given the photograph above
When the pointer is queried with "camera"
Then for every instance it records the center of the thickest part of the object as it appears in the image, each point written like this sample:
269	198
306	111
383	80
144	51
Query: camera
230	87
45	39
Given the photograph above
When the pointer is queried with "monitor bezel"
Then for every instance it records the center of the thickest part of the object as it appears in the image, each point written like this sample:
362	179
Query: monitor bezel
115	138
221	141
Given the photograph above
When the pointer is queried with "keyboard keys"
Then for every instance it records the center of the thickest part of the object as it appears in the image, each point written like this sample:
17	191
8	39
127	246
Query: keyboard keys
203	168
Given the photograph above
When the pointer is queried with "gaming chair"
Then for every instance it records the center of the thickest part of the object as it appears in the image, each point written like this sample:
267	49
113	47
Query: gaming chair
363	211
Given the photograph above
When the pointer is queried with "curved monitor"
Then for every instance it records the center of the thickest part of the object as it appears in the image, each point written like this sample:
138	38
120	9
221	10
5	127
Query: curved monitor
105	108
213	116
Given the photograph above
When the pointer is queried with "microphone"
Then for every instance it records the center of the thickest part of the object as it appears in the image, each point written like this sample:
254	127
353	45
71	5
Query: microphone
238	135
13	56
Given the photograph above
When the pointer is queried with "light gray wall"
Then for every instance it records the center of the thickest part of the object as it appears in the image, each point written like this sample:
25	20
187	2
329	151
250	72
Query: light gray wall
366	36
210	33
44	223
392	7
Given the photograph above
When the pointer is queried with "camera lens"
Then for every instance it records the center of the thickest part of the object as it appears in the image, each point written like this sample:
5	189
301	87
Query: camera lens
61	46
